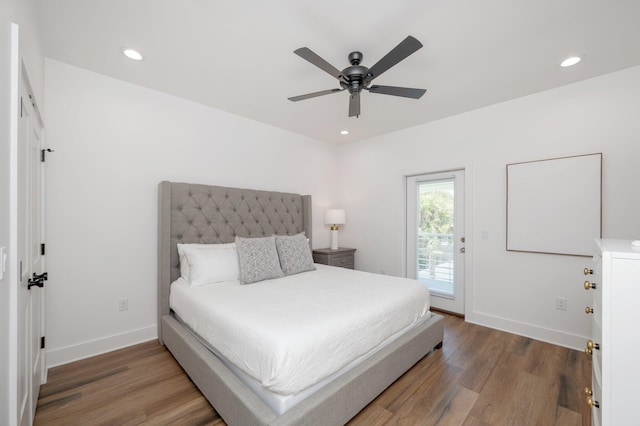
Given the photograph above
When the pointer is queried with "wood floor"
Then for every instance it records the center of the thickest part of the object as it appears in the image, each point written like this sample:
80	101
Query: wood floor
480	377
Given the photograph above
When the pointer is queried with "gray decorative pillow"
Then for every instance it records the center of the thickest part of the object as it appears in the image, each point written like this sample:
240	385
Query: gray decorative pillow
258	259
295	254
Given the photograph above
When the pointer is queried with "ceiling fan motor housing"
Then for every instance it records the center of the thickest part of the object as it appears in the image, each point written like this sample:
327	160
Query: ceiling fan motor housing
355	73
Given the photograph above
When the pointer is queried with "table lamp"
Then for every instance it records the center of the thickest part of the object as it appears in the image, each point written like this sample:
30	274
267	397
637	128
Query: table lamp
334	217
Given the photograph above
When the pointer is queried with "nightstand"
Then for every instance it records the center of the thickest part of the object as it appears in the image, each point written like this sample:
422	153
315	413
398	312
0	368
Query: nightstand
342	257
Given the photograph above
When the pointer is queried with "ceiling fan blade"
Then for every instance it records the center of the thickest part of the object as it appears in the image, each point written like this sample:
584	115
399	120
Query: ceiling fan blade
309	55
354	104
314	95
405	92
397	54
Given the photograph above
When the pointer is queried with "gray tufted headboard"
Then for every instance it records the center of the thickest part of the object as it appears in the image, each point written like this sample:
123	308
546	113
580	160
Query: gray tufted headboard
191	213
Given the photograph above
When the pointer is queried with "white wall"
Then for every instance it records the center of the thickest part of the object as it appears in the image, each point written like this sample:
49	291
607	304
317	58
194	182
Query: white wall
507	290
113	143
21	13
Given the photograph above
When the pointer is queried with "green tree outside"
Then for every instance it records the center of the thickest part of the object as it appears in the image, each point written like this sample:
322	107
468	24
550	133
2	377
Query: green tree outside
435	216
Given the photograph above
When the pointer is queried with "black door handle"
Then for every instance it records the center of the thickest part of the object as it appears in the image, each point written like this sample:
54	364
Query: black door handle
37	280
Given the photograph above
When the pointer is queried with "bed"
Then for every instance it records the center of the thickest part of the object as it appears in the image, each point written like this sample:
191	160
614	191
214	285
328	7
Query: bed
192	214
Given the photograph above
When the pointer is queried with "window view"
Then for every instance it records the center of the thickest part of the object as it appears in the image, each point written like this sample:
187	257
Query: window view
435	235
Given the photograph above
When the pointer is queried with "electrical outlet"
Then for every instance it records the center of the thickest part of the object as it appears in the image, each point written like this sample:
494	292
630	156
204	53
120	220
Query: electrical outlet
561	303
123	304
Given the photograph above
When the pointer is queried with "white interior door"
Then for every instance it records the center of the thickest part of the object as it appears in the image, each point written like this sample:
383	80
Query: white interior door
435	236
30	256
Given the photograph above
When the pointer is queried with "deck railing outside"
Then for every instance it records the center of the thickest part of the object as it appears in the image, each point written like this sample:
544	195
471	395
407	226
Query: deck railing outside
435	258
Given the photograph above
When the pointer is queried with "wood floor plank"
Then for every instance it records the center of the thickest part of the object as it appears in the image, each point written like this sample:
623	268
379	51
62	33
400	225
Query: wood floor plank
481	377
372	415
453	408
513	396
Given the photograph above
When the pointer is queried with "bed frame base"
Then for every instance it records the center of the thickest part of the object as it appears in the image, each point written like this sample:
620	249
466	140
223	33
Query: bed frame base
334	404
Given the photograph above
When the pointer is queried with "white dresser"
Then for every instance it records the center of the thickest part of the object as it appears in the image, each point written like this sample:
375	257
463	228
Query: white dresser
614	280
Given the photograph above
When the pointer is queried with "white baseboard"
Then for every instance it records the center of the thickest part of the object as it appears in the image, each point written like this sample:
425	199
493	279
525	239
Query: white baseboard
67	354
560	338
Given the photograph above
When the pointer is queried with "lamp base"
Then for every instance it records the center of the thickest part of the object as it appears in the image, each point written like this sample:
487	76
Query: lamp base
334	239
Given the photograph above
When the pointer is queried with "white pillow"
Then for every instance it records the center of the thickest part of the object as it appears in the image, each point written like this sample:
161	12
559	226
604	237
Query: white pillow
202	264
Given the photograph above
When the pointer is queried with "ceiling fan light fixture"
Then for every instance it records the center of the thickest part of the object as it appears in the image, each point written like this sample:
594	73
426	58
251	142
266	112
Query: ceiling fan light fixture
344	132
132	54
570	61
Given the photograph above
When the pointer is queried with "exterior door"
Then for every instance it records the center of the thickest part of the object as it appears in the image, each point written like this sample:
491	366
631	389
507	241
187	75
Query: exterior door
30	321
435	236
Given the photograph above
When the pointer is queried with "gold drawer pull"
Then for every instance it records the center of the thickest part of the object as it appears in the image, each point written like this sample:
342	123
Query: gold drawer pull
591	403
588	392
588	310
590	347
588	271
589	285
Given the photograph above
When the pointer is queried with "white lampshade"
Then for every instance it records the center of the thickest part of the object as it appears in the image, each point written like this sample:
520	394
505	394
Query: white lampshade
334	217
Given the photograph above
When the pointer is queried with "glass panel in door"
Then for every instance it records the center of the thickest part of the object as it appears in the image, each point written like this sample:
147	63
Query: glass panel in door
435	236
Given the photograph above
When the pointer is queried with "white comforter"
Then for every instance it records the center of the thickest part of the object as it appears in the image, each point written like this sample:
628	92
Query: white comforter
292	332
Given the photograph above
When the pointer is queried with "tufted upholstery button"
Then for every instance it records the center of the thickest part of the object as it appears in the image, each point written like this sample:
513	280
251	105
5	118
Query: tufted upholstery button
226	195
199	208
217	209
179	237
190	222
179	209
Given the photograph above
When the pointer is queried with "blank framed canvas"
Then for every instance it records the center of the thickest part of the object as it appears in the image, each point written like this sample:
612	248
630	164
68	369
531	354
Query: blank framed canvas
555	206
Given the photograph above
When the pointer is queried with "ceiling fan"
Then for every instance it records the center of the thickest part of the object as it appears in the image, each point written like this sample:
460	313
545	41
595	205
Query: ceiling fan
357	77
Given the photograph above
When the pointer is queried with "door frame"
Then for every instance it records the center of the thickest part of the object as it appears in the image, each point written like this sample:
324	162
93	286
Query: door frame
468	226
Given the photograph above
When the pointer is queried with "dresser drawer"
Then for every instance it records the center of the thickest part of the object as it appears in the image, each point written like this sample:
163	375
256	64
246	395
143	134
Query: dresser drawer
596	412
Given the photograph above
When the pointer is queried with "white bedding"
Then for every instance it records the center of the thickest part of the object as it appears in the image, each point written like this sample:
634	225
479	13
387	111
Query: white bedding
292	332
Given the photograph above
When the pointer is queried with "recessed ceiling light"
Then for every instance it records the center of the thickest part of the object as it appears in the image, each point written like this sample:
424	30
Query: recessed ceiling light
344	132
570	61
132	54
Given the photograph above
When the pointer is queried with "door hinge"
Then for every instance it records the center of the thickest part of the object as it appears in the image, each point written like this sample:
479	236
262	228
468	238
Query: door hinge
42	342
42	249
21	107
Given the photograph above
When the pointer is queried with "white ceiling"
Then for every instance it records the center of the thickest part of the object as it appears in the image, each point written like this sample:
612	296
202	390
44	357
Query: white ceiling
237	55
